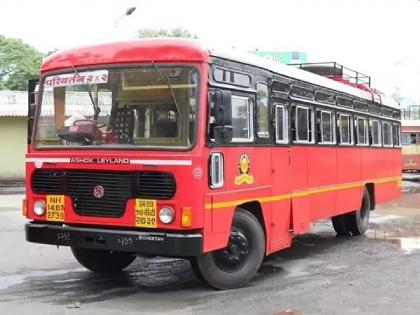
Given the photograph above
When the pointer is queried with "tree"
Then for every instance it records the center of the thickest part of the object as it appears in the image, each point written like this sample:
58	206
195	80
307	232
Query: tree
174	32
19	62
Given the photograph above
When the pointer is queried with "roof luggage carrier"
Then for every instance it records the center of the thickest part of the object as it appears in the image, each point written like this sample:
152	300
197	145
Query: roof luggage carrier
339	73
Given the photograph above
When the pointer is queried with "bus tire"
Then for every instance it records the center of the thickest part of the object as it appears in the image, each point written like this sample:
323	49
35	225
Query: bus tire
358	221
340	225
195	269
235	265
102	261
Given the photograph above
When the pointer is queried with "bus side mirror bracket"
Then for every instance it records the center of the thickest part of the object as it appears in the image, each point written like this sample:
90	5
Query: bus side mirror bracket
221	101
32	100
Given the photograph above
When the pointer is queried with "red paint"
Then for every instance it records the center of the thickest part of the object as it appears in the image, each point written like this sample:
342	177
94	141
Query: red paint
138	51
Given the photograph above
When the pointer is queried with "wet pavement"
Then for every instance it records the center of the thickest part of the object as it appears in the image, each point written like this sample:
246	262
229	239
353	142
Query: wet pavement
321	274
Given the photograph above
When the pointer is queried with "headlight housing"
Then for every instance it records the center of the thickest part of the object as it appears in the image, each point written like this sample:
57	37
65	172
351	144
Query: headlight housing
166	215
40	207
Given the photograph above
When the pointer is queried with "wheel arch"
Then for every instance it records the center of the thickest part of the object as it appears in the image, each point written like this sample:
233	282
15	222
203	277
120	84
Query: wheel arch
254	207
371	190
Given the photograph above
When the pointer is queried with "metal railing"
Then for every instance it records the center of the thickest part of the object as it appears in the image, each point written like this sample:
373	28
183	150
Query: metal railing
412	112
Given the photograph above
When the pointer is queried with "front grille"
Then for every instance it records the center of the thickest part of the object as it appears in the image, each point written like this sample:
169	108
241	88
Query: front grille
117	190
155	185
44	182
118	187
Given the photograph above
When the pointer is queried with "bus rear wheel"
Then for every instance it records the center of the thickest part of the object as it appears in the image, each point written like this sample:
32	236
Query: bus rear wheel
235	265
102	261
354	223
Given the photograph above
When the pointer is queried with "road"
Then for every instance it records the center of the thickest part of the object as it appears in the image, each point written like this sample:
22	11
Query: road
321	274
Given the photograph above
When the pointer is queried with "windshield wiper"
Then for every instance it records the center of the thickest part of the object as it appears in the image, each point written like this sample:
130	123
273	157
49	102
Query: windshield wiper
96	108
168	83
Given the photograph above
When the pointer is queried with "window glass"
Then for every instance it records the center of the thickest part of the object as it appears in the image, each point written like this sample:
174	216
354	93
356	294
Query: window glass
281	124
361	128
242	118
221	75
375	130
387	130
241	79
325	97
302	123
218	75
344	101
144	107
396	134
278	86
262	108
408	138
345	135
326	127
301	91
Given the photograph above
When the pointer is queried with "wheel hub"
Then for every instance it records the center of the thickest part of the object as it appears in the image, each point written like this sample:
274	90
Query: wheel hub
235	254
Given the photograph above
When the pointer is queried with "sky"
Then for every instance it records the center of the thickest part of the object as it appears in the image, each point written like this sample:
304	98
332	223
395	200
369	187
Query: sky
378	38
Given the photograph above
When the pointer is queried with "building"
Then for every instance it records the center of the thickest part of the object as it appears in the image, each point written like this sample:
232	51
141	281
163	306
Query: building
13	141
286	57
13	124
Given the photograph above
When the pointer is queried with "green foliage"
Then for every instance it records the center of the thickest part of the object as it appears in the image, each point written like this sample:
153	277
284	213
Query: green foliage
174	32
19	62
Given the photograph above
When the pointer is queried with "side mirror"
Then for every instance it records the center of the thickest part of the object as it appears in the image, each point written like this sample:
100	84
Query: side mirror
32	100
221	110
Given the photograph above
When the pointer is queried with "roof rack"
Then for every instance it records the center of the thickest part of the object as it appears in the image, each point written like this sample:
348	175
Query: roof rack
337	72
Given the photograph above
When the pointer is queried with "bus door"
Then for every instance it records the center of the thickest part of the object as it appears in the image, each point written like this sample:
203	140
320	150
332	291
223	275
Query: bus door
281	178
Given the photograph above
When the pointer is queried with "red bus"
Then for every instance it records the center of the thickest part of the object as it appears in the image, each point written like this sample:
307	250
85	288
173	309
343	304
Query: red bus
162	147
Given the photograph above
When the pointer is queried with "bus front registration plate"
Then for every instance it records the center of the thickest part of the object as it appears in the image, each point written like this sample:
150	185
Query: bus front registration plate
146	213
55	208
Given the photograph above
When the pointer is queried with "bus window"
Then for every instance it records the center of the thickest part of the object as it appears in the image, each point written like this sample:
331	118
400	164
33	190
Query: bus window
303	124
345	130
396	135
242	119
325	127
262	110
282	124
375	132
408	138
361	131
387	134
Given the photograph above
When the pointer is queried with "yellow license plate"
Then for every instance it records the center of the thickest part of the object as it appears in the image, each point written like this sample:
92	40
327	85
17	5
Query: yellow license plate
55	208
146	213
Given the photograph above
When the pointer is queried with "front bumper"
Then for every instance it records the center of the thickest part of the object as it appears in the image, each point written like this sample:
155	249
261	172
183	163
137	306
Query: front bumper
141	242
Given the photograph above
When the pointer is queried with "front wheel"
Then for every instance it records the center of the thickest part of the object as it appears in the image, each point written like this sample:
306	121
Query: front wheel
102	261
235	265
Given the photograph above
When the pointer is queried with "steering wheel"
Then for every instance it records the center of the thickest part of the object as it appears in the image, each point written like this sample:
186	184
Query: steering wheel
90	121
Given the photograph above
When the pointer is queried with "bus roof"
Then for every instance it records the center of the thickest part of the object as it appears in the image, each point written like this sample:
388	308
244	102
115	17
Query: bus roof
145	50
169	50
292	72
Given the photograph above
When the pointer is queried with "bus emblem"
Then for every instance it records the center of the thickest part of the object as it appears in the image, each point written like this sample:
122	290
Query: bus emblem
244	170
98	191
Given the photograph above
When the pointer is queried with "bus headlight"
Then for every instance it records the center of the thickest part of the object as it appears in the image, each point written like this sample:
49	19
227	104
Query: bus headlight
166	215
40	207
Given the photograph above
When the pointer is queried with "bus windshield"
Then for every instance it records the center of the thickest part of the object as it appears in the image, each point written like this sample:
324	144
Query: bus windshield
150	107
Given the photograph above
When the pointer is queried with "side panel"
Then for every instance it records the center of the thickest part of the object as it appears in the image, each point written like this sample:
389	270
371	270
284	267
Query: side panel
238	190
388	186
281	205
348	175
322	175
299	184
